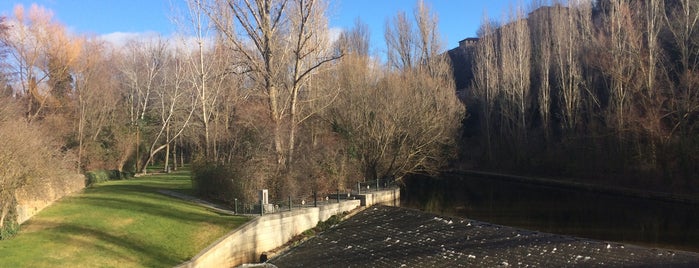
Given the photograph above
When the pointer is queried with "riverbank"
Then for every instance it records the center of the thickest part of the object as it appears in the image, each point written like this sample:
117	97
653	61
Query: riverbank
593	187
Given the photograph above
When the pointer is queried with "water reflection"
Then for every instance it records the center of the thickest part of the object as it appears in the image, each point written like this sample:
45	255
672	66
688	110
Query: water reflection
575	212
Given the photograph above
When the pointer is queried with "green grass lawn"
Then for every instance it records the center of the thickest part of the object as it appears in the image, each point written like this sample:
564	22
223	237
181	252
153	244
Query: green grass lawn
118	224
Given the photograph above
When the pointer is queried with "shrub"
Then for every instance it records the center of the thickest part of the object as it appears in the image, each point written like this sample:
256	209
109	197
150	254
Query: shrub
101	175
9	229
96	176
210	180
327	224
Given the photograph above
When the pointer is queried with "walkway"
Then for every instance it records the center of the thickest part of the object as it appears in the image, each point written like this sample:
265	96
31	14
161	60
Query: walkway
383	236
203	203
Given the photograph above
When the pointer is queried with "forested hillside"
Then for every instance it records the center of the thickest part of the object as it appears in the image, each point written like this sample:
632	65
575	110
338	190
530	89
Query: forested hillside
600	90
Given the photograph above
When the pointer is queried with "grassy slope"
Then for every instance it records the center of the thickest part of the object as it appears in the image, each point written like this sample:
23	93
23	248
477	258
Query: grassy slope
118	223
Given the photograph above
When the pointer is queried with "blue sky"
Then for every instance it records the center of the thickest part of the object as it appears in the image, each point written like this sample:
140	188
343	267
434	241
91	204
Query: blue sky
458	18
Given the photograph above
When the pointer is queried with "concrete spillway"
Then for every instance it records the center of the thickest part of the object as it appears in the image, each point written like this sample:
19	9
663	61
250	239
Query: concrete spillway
383	236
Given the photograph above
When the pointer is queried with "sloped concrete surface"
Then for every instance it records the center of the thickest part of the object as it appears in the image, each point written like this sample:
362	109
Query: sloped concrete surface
384	236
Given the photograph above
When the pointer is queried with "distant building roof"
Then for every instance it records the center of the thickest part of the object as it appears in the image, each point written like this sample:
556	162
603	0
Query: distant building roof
468	41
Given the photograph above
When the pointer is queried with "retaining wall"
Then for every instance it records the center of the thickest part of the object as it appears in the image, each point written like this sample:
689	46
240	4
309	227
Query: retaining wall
264	233
36	196
388	197
246	243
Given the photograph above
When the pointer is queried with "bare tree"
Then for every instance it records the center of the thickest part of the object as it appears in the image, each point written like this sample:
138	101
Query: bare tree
356	40
486	79
42	54
141	67
97	97
682	20
400	42
622	40
174	105
205	68
403	120
568	36
283	44
515	53
5	89
541	31
415	44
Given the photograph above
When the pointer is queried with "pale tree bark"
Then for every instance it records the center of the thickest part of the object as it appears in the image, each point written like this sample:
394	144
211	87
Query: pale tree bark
486	80
683	22
205	70
567	34
311	50
622	40
140	68
651	97
176	106
515	53
541	31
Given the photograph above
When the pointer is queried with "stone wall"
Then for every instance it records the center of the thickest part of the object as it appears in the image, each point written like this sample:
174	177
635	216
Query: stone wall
34	197
246	243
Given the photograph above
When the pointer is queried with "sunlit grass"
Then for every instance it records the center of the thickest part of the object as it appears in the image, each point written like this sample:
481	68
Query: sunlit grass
118	224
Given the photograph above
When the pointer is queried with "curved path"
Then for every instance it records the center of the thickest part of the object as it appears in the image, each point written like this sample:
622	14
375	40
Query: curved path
383	236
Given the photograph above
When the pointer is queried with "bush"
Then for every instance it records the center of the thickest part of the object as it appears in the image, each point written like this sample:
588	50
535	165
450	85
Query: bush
9	229
96	176
211	180
101	175
327	224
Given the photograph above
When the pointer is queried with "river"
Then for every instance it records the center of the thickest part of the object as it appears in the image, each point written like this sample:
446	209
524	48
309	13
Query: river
561	210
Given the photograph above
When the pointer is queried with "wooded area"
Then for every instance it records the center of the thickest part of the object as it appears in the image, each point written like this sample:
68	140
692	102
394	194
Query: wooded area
601	90
252	94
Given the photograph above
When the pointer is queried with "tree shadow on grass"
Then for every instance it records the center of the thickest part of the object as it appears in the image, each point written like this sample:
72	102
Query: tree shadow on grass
146	255
173	209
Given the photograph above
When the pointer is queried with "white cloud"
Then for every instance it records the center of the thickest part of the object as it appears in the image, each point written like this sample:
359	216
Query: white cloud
119	39
334	33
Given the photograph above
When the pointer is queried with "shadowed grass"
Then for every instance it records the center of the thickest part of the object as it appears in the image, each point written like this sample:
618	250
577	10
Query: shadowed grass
118	224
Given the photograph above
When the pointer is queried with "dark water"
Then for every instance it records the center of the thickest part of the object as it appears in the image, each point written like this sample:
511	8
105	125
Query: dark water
577	212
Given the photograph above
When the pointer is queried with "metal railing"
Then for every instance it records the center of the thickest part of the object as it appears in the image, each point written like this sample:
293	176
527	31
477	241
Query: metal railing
310	200
375	185
289	203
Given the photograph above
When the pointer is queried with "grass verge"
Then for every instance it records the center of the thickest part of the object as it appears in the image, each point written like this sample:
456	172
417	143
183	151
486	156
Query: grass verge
118	224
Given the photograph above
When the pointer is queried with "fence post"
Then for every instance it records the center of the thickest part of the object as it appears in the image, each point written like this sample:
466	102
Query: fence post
262	207
289	203
236	205
315	199
359	188
377	184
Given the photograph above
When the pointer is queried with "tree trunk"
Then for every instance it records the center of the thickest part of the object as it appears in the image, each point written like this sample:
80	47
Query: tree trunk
174	156
167	150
